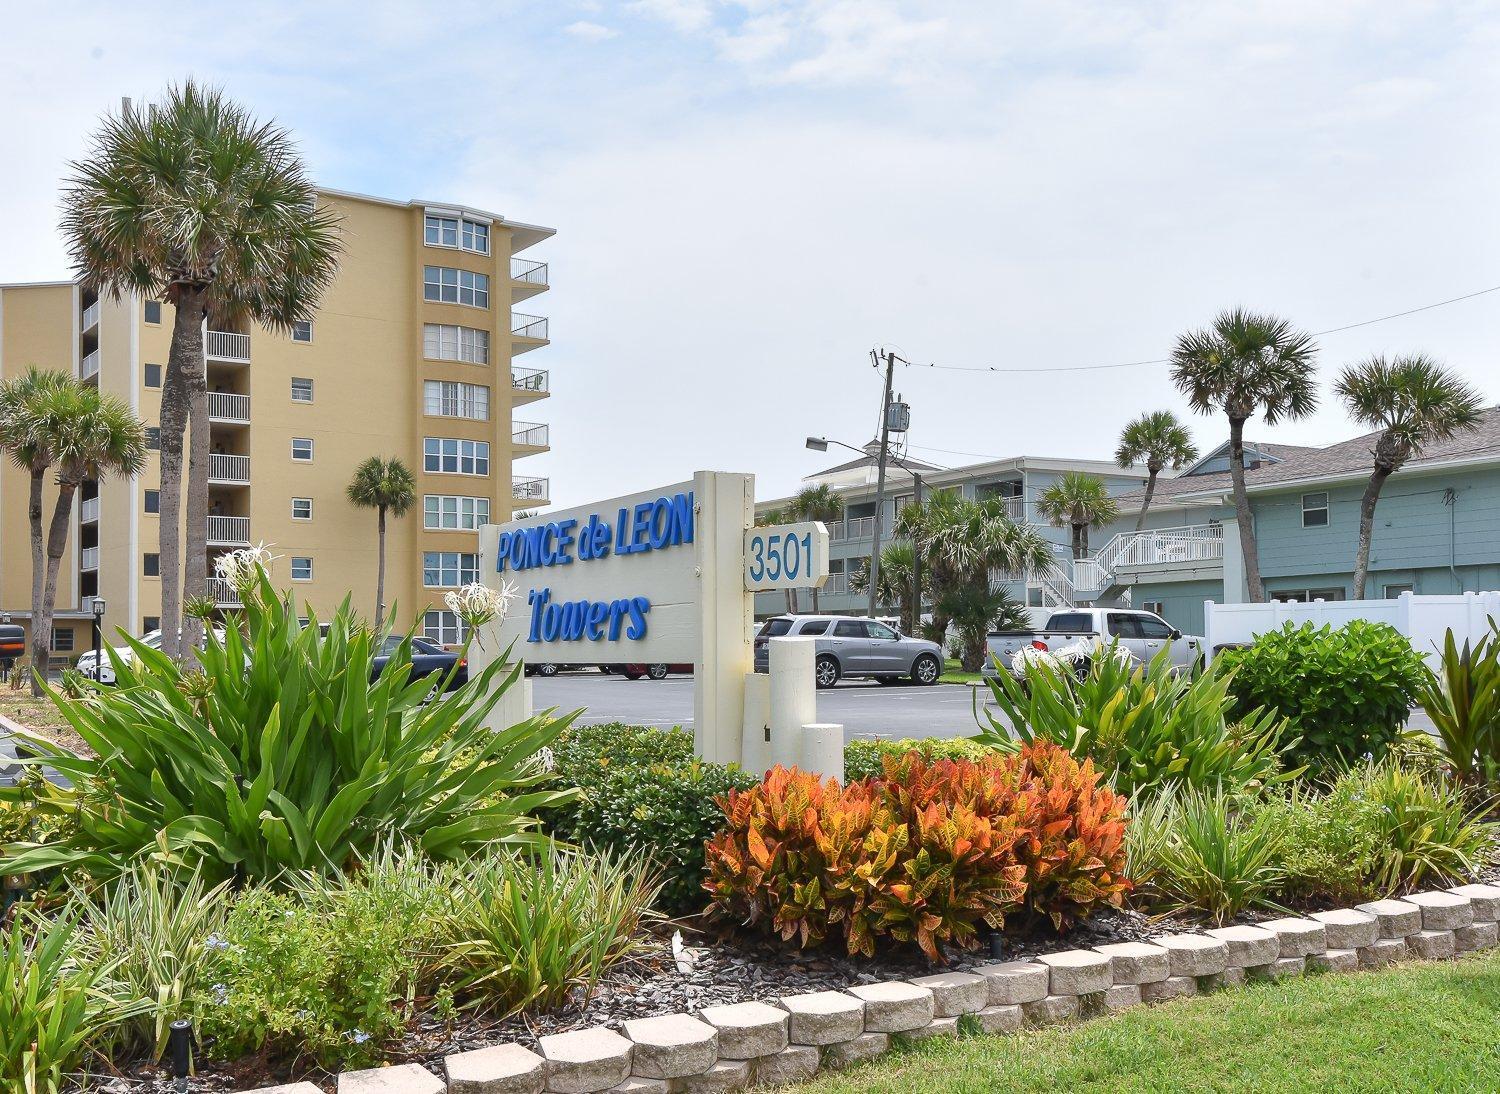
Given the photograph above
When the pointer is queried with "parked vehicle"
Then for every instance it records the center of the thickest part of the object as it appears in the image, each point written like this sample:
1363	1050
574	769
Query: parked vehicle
853	646
1140	634
657	671
104	673
427	659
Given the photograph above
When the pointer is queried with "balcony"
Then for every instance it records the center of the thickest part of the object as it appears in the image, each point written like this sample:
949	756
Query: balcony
90	318
529	437
227	408
229	531
88	558
858	528
526	279
224	593
231	469
88	510
527	332
224	345
531	491
529	384
89	366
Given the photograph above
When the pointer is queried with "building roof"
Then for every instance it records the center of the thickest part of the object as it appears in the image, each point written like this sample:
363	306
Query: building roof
871	458
1350	459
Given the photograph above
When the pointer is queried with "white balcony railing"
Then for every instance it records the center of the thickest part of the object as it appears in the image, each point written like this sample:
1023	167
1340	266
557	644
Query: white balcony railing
226	345
528	272
89	366
88	511
229	531
90	318
530	489
88	558
859	528
226	406
223	467
528	326
836	585
534	434
223	592
529	380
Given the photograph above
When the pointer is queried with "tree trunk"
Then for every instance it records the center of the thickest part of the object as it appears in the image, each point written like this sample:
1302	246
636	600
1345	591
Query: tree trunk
1248	546
1083	540
1367	528
1077	541
195	564
815	599
380	570
1140	521
184	357
974	649
41	650
57	543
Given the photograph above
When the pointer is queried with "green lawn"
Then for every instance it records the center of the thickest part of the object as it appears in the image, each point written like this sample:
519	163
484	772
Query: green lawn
1420	1027
953	673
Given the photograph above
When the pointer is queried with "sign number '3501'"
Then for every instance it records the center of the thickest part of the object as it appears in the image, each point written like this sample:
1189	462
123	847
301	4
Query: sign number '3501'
786	556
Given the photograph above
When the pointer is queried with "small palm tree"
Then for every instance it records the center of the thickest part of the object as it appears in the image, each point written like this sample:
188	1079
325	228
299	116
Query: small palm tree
1161	441
894	585
1413	401
819	503
1247	364
197	203
387	486
84	435
1080	501
770	518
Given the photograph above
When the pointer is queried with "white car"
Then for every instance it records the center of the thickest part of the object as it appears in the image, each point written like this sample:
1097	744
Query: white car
105	673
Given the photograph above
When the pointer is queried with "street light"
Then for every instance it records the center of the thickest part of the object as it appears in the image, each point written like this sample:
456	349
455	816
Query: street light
97	605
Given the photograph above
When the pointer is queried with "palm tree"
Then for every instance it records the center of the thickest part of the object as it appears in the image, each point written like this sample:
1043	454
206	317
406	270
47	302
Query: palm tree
977	609
819	503
1413	401
1080	501
387	486
1246	364
85	435
1161	441
894	583
197	203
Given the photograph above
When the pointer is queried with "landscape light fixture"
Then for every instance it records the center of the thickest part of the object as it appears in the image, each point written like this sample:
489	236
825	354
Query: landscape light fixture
180	1049
98	605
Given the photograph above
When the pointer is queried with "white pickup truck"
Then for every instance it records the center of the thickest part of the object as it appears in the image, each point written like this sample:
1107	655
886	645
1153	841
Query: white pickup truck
1142	635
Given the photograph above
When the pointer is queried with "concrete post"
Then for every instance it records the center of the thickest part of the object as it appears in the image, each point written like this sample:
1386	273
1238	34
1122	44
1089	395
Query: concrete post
755	741
823	749
794	701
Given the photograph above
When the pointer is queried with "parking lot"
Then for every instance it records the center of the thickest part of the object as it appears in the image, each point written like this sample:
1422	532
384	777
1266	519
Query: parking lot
864	709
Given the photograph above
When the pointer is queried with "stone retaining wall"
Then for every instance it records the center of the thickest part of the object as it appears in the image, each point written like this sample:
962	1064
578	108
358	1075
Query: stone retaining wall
787	1040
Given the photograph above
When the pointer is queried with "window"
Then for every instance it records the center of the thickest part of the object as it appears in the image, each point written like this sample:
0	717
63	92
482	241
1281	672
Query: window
302	389
451	456
1070	623
1315	510
301	568
152	501
1396	589
814	626
1304	596
469	235
849	628
302	331
150	623
448	342
153	311
449	569
445	399
1153	629
775	628
1157	606
62	641
153	375
451	513
302	508
880	631
444	628
151	564
1122	626
445	285
302	449
153	438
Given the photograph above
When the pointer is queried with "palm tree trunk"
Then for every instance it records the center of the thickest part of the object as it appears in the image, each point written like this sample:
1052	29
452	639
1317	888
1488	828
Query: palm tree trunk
187	348
1083	540
57	543
40	650
1248	548
815	599
1367	528
1077	541
195	564
1140	521
380	570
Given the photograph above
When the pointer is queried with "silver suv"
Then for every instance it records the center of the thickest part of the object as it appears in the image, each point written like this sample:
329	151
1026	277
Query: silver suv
854	646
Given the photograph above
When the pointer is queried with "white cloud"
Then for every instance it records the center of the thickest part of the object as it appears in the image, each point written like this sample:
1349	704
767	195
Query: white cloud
590	32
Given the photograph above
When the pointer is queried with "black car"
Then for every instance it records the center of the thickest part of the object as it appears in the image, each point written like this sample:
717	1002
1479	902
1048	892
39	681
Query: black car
427	659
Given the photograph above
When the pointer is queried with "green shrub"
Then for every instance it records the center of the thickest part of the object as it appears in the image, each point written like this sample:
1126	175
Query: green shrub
1144	726
284	754
643	793
1463	700
1331	841
866	758
1346	692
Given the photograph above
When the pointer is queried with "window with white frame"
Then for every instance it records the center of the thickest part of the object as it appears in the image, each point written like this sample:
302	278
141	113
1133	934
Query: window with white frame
1396	588
445	285
1315	510
452	456
301	568
302	389
62	641
450	342
449	569
454	512
302	508
302	330
302	449
455	231
450	399
444	628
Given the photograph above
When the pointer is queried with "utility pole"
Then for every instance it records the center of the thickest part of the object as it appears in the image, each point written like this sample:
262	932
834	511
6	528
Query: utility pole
885	439
916	559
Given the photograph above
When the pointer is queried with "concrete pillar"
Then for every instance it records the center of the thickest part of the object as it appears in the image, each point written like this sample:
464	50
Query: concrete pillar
755	741
823	749
794	702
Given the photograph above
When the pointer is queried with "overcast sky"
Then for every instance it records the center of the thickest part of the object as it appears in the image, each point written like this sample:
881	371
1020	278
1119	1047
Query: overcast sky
749	196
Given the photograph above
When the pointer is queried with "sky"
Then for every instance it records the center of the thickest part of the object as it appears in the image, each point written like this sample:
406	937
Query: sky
750	196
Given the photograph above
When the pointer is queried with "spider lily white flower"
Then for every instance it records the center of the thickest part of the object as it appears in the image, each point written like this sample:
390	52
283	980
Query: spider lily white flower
478	605
241	568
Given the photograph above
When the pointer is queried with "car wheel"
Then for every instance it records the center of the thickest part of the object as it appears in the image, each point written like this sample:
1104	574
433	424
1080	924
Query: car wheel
656	672
826	672
926	670
546	669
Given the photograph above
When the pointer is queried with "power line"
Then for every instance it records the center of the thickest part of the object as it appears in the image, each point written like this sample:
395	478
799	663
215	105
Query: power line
1166	360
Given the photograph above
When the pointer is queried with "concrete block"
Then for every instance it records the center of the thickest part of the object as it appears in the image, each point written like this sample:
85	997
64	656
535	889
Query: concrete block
401	1079
1173	987
1230	978
586	1060
1480	936
1285	966
1005	1018
638	1084
1431	945
1247	946
1348	929
1385	951
1194	954
1483	899
288	1088
823	1017
748	1030
1136	962
1333	961
896	1006
938	1027
1013	982
1298	937
724	1077
793	1064
1396	918
671	1045
1443	911
867	1046
1078	972
498	1069
1124	996
955	993
1051	1010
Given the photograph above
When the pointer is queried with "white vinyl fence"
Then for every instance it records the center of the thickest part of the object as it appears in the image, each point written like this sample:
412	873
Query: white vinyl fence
1423	619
